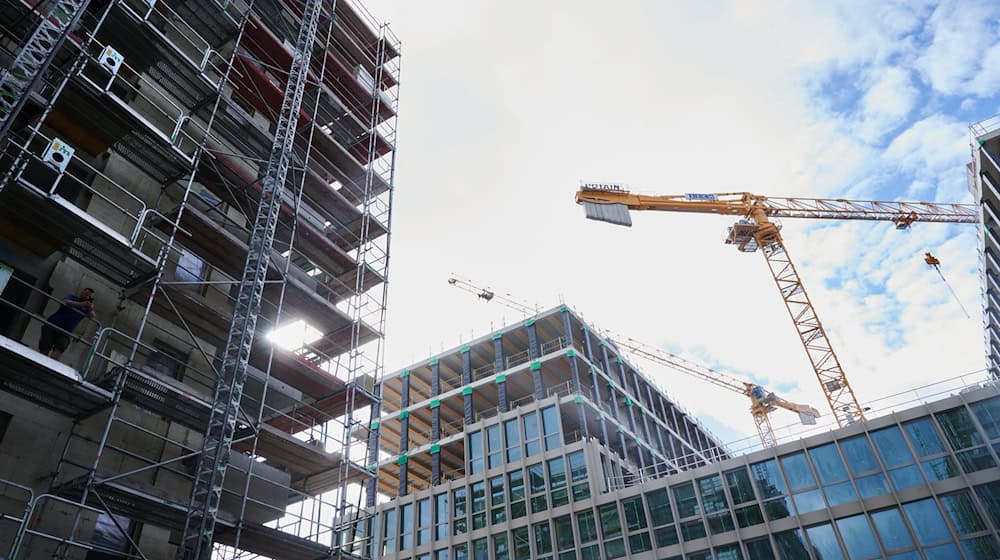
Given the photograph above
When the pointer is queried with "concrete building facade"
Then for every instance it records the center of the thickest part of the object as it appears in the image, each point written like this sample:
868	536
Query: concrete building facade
133	161
984	185
559	449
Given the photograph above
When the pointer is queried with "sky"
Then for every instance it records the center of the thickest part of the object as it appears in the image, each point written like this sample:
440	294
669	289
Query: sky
505	107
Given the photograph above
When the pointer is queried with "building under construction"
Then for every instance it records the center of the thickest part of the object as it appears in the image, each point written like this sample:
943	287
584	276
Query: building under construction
984	185
220	174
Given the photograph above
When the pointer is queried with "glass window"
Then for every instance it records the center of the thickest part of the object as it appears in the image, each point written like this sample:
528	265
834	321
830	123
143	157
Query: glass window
738	482
840	493
687	502
478	505
500	550
924	437
440	516
976	459
777	509
858	537
586	525
943	552
475	441
797	471
551	424
659	507
423	521
578	474
829	466
811	500
592	552
557	482
460	524
406	527
906	477
389	531
495	446
858	454
543	538
614	549
989	496
498	514
442	554
729	552
791	546
611	525
522	543
911	555
940	468
639	542
872	485
768	479
720	523
958	428
515	489
461	552
479	550
749	516
760	549
962	512
564	533
713	498
824	542
700	555
981	548
536	479
891	447
532	444
926	521
635	515
691	530
891	529
988	413
666	536
512	431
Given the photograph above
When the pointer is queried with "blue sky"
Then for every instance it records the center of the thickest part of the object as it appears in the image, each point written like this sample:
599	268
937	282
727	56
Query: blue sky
505	107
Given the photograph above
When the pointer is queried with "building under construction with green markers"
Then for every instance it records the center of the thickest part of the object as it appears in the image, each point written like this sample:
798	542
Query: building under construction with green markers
220	173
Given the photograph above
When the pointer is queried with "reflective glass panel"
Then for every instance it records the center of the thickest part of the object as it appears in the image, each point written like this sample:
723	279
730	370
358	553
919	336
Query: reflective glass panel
532	444
687	503
666	536
906	477
988	413
713	497
475	452
981	548
543	538
958	428
635	515
824	542
738	482
872	485
891	529
964	516
587	527
659	507
943	552
791	545
691	530
768	479
989	496
829	466
811	500
891	447
513	434
940	468
858	454
797	471
551	424
749	516
927	522
840	493
495	445
522	543
924	437
977	459
729	552
611	525
858	537
760	549
564	533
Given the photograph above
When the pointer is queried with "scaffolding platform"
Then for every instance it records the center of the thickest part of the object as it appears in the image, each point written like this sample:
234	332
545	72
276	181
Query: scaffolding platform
30	375
273	543
63	226
169	398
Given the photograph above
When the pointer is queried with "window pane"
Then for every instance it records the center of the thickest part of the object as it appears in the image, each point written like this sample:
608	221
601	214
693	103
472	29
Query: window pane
592	552
873	485
461	552
749	516
635	516
842	493
777	509
940	468
522	543
760	549
614	549
479	550
720	523
729	552
988	413
926	521
543	538
906	477
989	496
513	434
532	445
691	530
824	542
943	552
962	512
891	447
891	529
475	452
557	473
587	527
577	466
791	545
564	533
981	548
797	471
687	503
666	536
639	543
700	555
958	428
809	501
739	486
911	555
423	521
858	454
828	463
975	459
768	479
441	554
550	422
713	498
659	507
923	437
515	482
496	491
611	525
500	551
858	537
495	445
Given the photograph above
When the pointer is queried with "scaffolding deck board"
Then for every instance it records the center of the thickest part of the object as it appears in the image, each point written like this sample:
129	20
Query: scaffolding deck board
30	375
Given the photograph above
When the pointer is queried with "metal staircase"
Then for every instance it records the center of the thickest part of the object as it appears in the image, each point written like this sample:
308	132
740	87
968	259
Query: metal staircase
31	62
206	495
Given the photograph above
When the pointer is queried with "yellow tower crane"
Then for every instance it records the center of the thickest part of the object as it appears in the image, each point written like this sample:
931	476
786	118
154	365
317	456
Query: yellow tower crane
754	229
762	401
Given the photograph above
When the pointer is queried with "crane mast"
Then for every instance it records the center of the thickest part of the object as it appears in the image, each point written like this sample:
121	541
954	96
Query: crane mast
756	230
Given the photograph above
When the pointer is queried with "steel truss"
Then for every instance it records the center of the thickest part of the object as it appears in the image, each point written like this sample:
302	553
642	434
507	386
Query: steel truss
256	432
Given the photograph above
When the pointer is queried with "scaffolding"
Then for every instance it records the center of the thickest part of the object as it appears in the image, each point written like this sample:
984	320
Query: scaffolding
226	169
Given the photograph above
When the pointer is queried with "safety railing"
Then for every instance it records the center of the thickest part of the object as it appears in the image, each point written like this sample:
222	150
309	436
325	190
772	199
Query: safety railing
15	509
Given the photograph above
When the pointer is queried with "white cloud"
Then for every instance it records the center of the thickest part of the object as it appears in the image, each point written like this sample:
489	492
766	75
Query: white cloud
891	97
959	33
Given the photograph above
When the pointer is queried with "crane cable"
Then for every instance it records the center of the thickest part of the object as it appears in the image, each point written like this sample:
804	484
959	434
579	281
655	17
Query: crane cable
934	263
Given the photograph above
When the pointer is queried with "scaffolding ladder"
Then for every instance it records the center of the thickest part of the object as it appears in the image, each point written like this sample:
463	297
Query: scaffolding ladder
206	494
35	57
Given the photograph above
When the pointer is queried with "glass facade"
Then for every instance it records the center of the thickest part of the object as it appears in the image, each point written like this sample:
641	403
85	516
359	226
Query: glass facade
916	488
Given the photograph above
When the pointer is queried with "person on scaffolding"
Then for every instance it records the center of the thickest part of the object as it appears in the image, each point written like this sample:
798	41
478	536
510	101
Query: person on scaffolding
56	332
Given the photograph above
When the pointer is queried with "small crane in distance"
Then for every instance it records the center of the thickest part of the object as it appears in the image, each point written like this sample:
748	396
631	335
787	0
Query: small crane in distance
755	229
